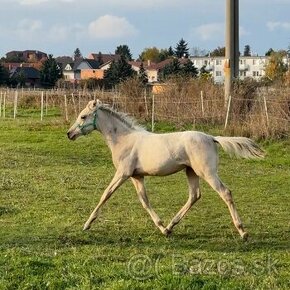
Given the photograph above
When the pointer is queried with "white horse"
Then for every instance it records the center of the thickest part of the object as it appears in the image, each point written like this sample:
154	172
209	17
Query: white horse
137	153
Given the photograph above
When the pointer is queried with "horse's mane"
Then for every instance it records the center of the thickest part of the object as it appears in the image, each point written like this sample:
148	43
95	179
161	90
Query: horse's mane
129	121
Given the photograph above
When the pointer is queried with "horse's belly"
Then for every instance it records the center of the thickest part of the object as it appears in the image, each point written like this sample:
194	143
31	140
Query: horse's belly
158	169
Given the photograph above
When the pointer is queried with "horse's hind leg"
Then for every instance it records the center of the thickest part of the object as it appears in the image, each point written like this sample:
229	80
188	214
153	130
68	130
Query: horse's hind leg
226	195
194	195
141	191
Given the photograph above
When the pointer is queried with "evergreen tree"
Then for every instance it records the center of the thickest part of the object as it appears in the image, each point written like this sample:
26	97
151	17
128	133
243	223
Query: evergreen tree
173	68
189	70
119	71
50	72
4	75
143	75
269	52
247	50
181	49
170	51
77	54
124	51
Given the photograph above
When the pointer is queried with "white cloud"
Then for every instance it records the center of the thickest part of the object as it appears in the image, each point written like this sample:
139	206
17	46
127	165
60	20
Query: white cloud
109	26
210	31
274	25
26	28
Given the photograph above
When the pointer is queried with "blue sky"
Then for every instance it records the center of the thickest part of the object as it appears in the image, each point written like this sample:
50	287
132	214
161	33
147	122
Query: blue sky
59	26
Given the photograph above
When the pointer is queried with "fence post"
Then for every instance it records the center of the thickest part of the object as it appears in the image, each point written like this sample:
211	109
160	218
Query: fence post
266	110
79	102
74	104
65	108
15	104
41	106
46	103
153	112
228	110
4	105
1	104
202	106
146	106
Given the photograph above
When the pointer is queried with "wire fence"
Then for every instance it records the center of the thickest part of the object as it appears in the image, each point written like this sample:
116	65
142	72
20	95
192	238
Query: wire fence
263	115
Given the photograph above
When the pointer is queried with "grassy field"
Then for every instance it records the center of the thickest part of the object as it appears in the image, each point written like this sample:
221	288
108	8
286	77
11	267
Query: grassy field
49	186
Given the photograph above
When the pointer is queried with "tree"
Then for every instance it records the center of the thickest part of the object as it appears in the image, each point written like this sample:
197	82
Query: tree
269	52
247	50
163	54
142	76
219	51
4	75
175	67
119	71
50	72
77	54
276	68
196	51
124	51
189	70
181	49
170	51
151	53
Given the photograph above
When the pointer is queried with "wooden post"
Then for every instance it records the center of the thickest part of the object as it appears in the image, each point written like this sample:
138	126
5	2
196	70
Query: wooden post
46	103
4	105
1	104
79	102
202	105
41	105
74	104
153	112
228	110
65	108
146	105
266	110
15	104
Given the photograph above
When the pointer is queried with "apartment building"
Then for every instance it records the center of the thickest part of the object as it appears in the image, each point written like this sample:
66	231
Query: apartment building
249	66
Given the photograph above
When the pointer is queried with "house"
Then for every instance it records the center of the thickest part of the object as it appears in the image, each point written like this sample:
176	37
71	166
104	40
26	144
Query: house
88	68
69	67
28	76
103	58
26	56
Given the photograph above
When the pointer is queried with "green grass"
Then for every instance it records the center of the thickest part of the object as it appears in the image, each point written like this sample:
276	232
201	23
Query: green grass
49	186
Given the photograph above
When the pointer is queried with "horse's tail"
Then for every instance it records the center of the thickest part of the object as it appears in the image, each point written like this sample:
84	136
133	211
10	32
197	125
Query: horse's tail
240	147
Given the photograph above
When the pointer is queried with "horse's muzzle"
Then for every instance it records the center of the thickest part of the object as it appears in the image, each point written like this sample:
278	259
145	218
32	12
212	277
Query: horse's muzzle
71	135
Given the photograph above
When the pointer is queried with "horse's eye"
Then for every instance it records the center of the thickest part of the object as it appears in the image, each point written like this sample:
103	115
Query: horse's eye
83	117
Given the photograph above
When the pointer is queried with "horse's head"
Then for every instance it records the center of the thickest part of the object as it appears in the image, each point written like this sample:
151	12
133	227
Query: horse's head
86	122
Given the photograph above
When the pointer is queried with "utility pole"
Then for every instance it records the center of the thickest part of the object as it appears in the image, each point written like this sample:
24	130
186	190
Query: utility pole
231	68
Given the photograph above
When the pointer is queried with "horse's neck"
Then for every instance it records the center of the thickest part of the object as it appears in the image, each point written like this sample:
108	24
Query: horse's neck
113	129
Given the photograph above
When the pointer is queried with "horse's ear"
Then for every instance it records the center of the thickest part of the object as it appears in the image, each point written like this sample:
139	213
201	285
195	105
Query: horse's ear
96	103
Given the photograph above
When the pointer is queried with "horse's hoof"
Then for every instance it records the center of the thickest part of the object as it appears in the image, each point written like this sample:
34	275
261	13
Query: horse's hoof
166	232
86	227
245	236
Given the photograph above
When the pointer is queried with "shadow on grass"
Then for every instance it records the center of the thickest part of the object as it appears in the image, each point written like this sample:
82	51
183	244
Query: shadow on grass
224	242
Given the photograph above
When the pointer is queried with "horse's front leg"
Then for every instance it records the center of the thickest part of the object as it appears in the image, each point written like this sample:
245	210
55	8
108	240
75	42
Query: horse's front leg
141	191
116	182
